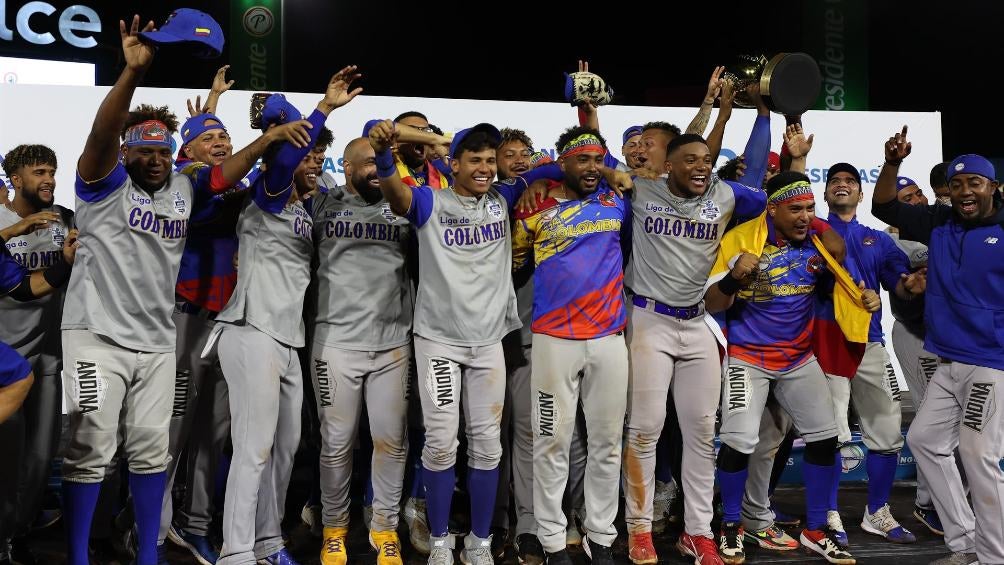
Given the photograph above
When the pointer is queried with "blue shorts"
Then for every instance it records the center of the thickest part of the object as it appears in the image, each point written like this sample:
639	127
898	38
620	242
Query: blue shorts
13	367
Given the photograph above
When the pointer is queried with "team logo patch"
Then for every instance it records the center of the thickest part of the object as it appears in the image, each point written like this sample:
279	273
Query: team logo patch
892	383
325	384
851	457
180	204
710	211
607	199
868	240
738	389
386	212
441	382
980	406
546	413
495	208
182	381
815	264
58	233
88	388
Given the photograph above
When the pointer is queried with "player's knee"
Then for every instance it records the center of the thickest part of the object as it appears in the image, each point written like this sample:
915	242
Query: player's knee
643	441
146	449
438	459
920	440
731	460
821	452
484	453
389	448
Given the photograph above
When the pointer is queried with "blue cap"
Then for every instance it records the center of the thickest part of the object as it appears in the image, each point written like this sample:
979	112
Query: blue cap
186	25
492	131
631	132
971	164
196	126
903	182
278	111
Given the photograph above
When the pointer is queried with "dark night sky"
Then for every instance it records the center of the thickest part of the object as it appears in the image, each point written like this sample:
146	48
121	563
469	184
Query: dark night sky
941	58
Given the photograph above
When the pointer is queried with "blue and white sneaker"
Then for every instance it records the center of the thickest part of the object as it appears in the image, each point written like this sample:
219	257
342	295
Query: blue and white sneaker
881	523
281	557
929	518
785	519
836	526
200	546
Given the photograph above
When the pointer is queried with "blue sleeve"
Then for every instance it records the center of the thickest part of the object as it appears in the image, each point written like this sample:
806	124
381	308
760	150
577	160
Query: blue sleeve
626	232
894	262
750	202
443	167
100	189
550	171
13	367
610	161
272	188
512	189
11	272
757	149
421	206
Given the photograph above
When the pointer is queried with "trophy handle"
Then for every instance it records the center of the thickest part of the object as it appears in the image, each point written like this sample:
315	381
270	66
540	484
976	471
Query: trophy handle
768	71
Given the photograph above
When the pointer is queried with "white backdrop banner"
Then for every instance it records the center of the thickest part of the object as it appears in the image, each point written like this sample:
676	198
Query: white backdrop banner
61	116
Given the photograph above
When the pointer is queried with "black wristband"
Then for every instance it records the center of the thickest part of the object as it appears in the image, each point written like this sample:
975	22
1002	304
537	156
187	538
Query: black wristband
729	285
58	274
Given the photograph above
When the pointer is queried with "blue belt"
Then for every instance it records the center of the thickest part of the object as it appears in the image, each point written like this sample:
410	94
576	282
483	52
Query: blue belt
680	312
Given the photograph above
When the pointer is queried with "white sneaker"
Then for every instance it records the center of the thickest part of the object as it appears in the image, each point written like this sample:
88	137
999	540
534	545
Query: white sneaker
958	558
835	524
477	551
881	523
441	550
418	526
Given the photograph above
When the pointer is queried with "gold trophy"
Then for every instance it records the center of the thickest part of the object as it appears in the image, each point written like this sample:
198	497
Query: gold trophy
789	82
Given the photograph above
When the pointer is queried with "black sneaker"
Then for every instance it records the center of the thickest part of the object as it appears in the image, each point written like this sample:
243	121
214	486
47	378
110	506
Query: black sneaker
500	536
529	551
598	554
559	558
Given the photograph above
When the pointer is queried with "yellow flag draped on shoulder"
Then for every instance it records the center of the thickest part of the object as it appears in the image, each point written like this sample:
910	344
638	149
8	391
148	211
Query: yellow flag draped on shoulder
751	237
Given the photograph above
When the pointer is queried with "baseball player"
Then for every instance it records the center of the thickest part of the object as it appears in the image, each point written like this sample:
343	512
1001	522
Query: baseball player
465	305
579	353
119	354
361	349
908	341
631	148
31	328
963	322
678	222
206	280
258	335
769	329
874	390
16	281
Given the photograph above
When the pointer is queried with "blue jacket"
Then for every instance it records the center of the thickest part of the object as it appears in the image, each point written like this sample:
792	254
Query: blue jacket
963	315
874	256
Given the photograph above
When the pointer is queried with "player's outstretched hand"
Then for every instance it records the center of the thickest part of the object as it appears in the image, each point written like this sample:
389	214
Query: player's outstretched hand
35	221
138	55
293	132
383	135
338	93
869	298
897	148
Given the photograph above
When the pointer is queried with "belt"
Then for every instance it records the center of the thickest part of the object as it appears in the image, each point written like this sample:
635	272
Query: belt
186	307
680	312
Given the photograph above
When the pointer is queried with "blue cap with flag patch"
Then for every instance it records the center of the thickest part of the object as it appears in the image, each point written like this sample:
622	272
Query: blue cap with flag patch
186	25
971	164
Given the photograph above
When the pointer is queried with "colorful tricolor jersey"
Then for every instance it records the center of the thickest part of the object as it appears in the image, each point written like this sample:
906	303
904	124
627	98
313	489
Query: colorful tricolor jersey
579	276
770	324
207	276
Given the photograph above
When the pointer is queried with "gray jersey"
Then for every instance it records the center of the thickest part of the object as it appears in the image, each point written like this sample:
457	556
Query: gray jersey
273	271
675	240
122	286
32	328
465	295
363	294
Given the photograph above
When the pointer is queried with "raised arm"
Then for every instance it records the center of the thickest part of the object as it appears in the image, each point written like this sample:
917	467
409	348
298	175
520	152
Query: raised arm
101	151
798	146
758	145
896	149
717	133
220	85
700	121
383	136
